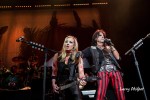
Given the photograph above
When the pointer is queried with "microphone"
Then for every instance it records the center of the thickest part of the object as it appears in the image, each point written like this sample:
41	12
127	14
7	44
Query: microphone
20	39
108	41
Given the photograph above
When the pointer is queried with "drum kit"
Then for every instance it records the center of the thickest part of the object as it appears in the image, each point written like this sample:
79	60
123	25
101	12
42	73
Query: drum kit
20	74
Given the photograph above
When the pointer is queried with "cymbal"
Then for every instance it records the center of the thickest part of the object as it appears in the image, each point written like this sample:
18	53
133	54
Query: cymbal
18	59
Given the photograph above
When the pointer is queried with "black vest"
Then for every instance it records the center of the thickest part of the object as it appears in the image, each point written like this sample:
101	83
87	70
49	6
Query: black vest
98	57
66	72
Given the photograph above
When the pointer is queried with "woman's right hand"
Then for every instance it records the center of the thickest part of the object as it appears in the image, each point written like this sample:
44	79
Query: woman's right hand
55	88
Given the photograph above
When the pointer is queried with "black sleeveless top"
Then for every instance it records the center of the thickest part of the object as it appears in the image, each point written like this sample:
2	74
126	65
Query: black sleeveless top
104	58
66	73
107	59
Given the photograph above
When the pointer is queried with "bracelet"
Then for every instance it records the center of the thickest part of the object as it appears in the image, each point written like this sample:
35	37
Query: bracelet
53	77
113	50
82	78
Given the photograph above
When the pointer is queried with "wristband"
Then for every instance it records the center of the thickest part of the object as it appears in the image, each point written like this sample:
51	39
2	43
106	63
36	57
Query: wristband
113	48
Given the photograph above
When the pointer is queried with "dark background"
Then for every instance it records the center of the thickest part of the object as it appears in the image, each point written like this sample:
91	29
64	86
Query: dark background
131	27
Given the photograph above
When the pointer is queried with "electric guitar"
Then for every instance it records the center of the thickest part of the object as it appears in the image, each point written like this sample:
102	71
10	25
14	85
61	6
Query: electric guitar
63	87
87	79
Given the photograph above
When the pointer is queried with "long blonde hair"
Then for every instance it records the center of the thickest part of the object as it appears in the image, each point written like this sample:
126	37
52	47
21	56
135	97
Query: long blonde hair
63	53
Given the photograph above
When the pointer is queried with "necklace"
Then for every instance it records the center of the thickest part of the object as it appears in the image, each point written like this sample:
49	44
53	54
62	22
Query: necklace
101	48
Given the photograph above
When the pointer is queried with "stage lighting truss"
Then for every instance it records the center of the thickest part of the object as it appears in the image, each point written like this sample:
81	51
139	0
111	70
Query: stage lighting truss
38	4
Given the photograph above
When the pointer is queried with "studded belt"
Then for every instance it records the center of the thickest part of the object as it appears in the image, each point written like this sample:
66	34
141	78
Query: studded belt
108	68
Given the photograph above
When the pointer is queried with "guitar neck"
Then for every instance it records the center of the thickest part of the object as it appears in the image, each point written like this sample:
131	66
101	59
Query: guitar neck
67	85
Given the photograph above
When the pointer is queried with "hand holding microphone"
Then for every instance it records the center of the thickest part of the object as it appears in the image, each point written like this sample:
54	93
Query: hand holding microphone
108	42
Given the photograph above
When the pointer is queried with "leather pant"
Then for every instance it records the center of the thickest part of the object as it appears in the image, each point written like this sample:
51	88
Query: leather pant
115	78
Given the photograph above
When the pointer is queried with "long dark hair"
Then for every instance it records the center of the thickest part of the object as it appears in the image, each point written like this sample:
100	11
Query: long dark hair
95	35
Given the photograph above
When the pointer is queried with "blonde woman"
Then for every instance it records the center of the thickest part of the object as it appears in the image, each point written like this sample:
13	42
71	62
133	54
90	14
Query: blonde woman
65	67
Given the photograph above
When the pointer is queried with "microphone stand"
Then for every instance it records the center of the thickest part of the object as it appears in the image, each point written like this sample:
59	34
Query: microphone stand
132	50
44	77
42	48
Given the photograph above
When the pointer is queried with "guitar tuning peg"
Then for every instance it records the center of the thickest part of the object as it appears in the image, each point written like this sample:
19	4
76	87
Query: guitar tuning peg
39	45
38	48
